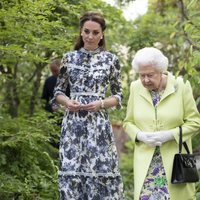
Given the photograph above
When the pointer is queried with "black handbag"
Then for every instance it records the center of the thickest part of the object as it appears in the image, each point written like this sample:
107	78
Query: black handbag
184	166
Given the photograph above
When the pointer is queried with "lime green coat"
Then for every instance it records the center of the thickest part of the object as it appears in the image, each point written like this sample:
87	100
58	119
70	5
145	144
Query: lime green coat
176	107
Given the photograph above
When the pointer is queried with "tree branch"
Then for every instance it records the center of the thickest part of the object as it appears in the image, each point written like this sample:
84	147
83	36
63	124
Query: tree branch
184	17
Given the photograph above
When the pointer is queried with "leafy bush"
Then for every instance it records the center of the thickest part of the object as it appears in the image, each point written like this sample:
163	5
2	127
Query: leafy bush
28	161
126	166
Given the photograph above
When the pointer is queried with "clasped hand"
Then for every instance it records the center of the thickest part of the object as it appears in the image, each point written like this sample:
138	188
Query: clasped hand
76	106
155	138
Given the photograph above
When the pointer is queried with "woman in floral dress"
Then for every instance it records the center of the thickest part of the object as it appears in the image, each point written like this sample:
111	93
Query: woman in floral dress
158	104
89	163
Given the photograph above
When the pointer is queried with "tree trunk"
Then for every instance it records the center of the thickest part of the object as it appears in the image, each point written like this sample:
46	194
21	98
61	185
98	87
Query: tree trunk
36	85
12	96
160	7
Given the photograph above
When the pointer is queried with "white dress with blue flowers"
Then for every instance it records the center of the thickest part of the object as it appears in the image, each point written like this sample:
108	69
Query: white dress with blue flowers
89	162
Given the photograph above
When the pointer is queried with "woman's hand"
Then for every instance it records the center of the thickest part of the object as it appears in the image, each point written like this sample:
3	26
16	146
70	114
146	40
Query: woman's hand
148	138
73	105
155	138
92	107
163	136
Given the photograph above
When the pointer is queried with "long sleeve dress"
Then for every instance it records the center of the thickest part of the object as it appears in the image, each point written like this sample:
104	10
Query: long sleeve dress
89	162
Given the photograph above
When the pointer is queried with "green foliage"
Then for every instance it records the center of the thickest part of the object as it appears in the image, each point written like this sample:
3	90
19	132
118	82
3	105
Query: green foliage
126	166
196	142
33	33
172	27
28	161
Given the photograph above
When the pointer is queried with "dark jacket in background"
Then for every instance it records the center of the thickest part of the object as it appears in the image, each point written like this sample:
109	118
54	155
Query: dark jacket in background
47	92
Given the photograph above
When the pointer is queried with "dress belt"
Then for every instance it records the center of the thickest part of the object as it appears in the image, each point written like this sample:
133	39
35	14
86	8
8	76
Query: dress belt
86	94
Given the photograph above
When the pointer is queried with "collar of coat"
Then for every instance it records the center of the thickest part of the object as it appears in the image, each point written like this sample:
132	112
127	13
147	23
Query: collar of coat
171	88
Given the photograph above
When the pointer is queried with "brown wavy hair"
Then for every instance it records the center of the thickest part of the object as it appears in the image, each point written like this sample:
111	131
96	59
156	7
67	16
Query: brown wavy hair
95	17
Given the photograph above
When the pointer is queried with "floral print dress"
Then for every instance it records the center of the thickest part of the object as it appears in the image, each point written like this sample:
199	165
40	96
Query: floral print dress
89	162
155	185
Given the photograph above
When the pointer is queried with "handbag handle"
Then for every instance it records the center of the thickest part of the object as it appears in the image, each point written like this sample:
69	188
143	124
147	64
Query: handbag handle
181	142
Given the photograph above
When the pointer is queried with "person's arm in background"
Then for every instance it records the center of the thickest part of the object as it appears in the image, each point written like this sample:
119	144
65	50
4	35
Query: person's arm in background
46	97
44	91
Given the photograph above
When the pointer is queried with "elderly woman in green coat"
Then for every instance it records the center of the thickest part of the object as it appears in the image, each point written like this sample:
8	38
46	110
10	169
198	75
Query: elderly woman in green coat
158	104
